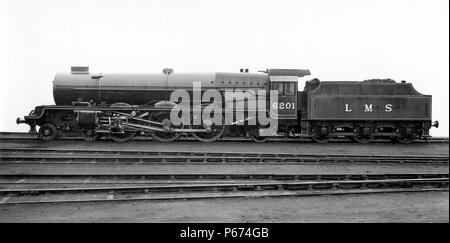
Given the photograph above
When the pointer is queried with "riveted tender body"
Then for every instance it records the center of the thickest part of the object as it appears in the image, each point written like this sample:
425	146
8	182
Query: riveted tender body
367	101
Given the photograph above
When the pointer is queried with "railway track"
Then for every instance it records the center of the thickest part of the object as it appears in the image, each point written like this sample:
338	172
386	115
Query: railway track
27	136
142	178
74	187
65	156
224	186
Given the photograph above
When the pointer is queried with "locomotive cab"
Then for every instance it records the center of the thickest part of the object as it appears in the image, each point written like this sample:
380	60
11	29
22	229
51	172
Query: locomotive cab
286	103
285	82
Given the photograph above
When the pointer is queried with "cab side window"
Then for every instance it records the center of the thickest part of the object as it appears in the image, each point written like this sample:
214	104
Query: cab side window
289	88
279	87
284	88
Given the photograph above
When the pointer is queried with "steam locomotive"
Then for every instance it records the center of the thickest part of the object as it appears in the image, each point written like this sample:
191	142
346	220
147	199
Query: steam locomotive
122	106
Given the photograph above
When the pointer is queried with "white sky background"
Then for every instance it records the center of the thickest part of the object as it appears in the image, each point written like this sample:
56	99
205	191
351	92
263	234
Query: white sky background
336	40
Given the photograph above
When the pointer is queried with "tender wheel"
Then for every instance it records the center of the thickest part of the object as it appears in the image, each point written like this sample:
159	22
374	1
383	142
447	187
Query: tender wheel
405	139
214	131
321	135
364	133
90	135
363	138
167	135
321	138
48	132
123	137
406	135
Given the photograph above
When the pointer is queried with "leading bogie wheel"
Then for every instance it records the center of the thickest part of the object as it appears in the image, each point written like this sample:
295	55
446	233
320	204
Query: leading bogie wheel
48	132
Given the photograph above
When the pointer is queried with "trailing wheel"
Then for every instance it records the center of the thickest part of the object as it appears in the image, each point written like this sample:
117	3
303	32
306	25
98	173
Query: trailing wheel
254	135
47	132
90	135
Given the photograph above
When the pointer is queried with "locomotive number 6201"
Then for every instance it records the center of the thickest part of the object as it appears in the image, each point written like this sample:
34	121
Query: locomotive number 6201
283	105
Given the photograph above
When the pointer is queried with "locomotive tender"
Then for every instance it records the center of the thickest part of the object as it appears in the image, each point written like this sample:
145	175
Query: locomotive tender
122	106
